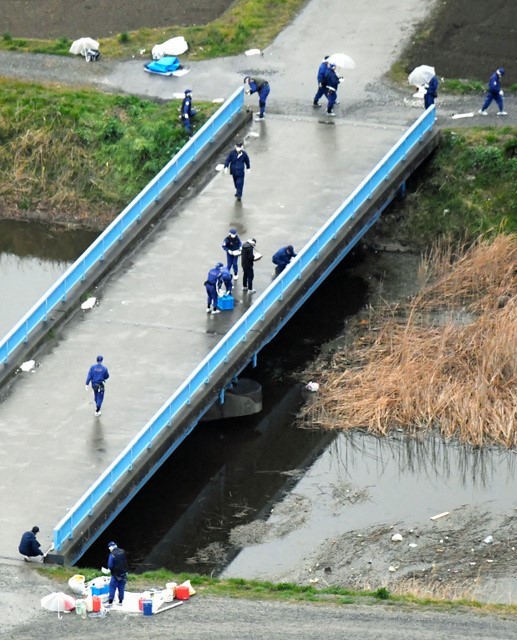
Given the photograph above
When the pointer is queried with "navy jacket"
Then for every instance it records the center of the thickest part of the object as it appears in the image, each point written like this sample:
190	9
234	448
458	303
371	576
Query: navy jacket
117	563
322	73
432	87
186	107
29	546
494	84
237	161
282	257
333	79
214	278
97	374
232	244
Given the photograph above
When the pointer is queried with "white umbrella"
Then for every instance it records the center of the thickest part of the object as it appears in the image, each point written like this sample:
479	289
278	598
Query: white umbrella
421	75
58	601
341	60
79	47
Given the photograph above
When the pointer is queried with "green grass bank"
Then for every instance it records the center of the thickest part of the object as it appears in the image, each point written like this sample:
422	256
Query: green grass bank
465	190
79	156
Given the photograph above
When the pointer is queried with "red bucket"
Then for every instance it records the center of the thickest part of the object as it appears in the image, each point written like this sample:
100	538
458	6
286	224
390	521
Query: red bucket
182	592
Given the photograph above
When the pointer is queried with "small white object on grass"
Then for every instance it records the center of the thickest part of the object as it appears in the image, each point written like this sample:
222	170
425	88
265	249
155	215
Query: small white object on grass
89	304
253	52
28	366
312	386
218	100
462	115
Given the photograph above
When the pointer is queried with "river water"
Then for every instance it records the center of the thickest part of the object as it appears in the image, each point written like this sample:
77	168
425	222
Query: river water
32	257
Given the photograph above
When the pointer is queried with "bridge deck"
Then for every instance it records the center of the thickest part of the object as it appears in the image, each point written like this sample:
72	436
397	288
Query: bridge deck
151	324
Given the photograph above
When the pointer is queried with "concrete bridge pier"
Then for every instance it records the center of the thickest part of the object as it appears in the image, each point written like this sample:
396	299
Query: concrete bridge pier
242	398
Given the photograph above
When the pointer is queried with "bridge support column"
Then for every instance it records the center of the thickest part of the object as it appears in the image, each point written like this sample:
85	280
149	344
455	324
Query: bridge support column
242	398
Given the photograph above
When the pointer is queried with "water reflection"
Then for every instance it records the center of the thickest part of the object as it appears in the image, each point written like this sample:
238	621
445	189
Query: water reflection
32	257
429	457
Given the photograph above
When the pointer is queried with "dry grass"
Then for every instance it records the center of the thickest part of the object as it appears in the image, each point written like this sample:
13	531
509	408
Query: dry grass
445	360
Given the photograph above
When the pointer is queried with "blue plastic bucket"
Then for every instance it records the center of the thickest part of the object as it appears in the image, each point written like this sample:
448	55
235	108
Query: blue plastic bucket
147	607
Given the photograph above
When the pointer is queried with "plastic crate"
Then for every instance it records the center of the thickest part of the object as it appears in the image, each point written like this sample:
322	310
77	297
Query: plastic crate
225	303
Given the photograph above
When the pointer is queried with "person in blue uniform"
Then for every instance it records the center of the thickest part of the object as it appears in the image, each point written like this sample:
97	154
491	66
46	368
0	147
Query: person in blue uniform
227	280
29	547
213	282
260	86
282	258
248	259
187	112
322	82
232	245
238	162
97	376
431	92
117	564
333	81
494	93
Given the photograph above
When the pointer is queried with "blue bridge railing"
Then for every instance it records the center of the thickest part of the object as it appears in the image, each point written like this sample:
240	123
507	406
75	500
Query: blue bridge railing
220	354
77	272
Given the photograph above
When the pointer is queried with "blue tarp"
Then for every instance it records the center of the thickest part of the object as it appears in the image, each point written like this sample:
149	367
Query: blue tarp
165	66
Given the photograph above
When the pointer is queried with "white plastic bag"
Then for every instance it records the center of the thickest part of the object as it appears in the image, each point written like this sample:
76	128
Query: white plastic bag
77	584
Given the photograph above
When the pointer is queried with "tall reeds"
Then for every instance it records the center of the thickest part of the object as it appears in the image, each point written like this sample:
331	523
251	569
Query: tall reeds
447	359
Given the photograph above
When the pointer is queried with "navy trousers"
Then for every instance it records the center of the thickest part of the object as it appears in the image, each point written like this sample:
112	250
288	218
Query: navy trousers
490	96
117	583
238	181
98	394
232	263
211	293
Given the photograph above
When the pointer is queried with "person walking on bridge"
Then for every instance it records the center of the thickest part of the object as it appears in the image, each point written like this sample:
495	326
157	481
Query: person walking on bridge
282	258
97	376
117	564
260	86
237	161
494	93
29	547
214	281
232	245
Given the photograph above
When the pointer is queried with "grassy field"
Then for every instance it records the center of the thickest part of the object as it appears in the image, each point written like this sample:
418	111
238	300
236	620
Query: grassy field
80	156
246	24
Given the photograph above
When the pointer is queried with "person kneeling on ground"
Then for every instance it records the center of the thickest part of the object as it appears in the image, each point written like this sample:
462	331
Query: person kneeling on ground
282	258
29	547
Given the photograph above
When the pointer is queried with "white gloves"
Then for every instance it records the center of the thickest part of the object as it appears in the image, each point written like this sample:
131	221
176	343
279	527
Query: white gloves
501	93
86	387
105	571
249	170
226	170
247	92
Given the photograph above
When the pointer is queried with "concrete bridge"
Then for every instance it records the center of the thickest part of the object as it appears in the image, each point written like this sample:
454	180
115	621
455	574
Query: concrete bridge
150	323
152	328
